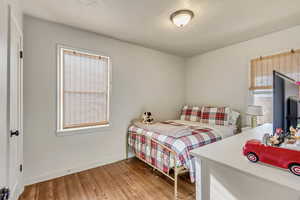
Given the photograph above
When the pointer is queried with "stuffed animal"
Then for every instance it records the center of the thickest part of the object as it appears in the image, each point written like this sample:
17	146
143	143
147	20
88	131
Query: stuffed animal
292	137
274	140
298	137
147	118
294	133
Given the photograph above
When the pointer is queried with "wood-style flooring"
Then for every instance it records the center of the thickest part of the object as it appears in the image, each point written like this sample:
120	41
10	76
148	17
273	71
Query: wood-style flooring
124	180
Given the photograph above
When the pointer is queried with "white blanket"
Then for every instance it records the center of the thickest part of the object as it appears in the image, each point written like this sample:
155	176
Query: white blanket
224	131
165	129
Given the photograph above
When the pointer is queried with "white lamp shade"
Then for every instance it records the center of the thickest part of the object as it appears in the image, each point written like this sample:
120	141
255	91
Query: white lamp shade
255	110
182	17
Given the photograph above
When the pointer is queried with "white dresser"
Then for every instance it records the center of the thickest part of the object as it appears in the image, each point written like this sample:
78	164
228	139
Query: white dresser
223	173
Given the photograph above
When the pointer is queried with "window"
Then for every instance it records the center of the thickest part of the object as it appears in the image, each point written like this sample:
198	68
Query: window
83	89
261	79
264	98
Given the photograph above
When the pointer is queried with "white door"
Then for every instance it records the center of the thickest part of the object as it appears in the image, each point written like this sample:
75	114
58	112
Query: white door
15	146
3	94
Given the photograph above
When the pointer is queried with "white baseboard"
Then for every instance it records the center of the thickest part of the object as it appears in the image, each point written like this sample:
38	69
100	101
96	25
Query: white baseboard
64	172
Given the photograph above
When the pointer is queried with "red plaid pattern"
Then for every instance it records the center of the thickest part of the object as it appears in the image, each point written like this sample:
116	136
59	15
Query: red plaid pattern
191	113
160	157
150	151
214	115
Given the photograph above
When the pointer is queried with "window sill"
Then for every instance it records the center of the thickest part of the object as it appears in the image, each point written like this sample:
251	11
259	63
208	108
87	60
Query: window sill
85	130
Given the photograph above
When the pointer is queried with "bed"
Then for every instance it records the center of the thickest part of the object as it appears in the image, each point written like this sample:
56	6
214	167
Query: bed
169	154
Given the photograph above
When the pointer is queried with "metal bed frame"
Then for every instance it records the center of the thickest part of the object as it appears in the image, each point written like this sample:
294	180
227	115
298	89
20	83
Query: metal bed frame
178	170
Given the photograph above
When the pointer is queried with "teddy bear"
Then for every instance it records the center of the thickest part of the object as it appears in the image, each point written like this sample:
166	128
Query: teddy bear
147	118
293	136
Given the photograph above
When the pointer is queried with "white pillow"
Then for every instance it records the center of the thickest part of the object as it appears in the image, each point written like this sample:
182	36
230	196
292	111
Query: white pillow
233	117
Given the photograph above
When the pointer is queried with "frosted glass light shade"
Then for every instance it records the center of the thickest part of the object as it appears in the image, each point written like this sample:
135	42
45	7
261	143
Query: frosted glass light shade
181	17
88	2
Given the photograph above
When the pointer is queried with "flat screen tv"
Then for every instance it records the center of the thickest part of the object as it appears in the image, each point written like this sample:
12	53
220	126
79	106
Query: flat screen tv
285	102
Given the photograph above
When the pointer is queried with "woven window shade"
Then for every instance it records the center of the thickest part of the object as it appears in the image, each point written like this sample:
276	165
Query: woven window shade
287	63
85	90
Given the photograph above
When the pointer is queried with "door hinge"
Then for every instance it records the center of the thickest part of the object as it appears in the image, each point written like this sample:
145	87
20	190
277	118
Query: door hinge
21	168
4	194
21	54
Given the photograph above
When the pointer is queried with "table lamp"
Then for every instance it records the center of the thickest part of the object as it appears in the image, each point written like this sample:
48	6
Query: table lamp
254	111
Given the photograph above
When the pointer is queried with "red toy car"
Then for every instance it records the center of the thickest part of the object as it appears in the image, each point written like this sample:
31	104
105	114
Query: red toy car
277	156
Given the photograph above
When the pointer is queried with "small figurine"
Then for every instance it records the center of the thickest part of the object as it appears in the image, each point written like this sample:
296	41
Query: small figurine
292	137
278	137
298	135
294	133
147	118
278	131
274	140
266	139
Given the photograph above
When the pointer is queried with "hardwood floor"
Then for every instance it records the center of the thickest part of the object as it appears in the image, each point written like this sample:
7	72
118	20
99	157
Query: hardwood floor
131	179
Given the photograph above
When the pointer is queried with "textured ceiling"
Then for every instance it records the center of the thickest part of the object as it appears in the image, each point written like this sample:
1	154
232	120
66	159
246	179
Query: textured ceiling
217	23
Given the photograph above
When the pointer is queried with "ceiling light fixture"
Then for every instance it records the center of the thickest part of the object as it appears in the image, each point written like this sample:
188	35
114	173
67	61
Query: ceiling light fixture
181	17
88	2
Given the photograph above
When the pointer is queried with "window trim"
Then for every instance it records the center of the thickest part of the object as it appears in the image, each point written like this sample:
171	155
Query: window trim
60	92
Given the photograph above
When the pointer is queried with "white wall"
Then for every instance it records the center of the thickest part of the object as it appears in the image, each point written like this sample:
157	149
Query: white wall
220	77
143	79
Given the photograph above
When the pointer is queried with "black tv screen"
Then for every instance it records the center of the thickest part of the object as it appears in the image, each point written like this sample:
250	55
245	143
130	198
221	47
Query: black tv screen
285	102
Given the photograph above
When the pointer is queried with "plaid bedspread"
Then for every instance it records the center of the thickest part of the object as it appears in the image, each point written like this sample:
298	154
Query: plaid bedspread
161	157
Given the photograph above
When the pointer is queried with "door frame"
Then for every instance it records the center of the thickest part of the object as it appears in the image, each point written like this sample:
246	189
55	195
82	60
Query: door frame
13	19
3	93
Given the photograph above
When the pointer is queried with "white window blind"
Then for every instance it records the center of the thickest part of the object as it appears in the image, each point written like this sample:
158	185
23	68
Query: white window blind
287	63
83	89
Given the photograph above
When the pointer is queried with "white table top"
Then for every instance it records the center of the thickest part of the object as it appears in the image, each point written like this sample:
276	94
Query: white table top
229	152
